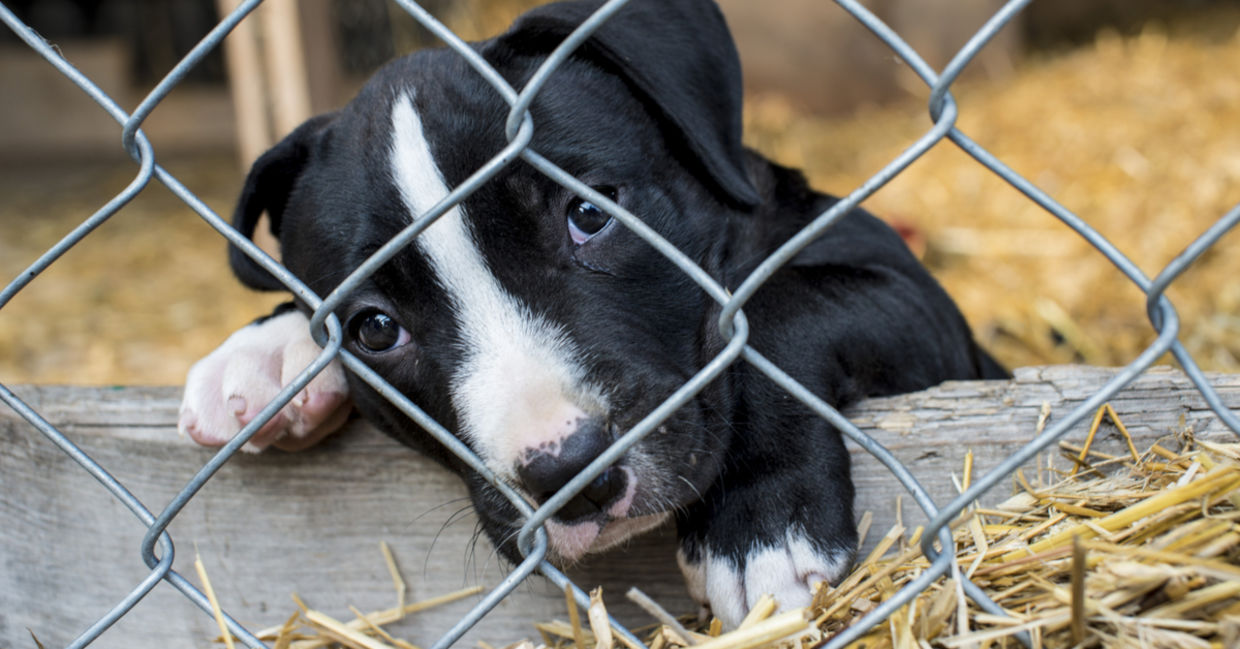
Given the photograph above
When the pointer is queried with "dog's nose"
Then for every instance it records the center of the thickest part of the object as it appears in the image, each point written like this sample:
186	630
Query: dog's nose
543	472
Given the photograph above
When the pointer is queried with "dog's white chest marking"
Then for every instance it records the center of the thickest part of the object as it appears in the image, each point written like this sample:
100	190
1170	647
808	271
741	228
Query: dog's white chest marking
518	386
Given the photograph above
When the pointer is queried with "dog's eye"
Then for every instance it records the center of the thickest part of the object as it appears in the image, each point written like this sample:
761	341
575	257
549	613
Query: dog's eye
376	331
585	219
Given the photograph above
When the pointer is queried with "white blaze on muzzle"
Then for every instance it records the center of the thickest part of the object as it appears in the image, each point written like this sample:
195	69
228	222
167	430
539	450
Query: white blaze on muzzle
518	386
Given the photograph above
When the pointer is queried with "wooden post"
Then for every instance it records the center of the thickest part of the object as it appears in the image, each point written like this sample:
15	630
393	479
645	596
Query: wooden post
287	78
249	93
268	73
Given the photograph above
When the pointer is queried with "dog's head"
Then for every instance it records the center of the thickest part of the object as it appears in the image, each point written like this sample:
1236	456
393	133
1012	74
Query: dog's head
526	319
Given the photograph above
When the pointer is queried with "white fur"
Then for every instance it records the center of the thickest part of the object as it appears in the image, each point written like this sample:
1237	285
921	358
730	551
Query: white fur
243	374
695	577
789	571
518	387
726	595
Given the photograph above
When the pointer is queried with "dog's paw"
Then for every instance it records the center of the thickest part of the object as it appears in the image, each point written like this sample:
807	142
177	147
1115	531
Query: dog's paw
778	528
225	390
729	583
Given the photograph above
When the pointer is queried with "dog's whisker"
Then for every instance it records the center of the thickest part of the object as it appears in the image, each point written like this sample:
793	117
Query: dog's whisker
456	516
692	486
446	503
471	550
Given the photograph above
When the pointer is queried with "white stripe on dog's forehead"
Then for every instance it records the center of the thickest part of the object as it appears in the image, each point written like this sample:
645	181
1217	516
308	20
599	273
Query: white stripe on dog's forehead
517	367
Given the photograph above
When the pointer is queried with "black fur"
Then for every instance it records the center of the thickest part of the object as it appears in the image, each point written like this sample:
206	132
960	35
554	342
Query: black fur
651	106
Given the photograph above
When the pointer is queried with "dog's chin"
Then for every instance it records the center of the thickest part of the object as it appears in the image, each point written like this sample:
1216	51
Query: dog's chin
570	542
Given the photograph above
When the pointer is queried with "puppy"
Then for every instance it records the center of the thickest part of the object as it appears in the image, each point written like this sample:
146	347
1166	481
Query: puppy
539	329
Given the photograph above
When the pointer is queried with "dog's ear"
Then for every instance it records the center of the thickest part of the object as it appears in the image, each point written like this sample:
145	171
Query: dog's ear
267	188
680	56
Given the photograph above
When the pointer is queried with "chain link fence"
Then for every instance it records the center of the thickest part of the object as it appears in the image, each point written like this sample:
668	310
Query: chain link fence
157	548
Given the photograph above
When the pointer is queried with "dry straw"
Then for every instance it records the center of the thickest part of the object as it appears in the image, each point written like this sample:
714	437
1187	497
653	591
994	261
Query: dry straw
1134	551
1139	550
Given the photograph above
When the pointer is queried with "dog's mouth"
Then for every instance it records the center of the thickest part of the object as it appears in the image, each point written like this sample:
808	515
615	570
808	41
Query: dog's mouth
580	527
570	542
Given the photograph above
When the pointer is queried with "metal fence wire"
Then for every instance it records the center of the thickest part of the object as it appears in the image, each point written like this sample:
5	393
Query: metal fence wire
157	547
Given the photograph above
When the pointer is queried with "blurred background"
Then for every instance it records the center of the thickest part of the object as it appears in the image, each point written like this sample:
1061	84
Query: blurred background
1126	111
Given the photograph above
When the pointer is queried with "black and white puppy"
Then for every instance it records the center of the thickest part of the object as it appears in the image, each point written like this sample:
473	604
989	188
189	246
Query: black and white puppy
538	329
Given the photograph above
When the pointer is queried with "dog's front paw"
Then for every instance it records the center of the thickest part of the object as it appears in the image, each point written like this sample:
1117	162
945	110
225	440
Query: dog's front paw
225	390
729	582
780	530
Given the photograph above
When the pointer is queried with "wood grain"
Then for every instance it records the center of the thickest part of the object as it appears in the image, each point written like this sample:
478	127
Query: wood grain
272	524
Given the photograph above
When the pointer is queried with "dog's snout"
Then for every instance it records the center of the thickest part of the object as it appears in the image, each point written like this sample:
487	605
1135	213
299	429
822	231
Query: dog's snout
544	471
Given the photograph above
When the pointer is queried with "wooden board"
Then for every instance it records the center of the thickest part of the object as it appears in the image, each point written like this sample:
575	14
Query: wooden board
272	524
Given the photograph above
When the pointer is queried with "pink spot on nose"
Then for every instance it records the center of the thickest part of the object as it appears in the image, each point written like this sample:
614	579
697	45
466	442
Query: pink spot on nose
541	430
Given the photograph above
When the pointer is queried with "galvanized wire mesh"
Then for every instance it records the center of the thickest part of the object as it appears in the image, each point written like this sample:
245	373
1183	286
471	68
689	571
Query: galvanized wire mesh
732	323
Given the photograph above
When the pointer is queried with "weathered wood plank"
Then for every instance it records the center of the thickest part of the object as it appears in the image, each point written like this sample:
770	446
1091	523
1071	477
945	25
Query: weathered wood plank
310	522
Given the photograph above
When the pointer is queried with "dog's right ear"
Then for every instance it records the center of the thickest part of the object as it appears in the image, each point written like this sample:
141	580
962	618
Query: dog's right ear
267	188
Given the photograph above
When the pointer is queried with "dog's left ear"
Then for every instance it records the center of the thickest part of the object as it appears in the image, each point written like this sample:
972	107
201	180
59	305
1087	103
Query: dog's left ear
680	56
267	189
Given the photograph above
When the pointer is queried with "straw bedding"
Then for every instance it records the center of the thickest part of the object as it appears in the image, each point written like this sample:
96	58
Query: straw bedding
1134	550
